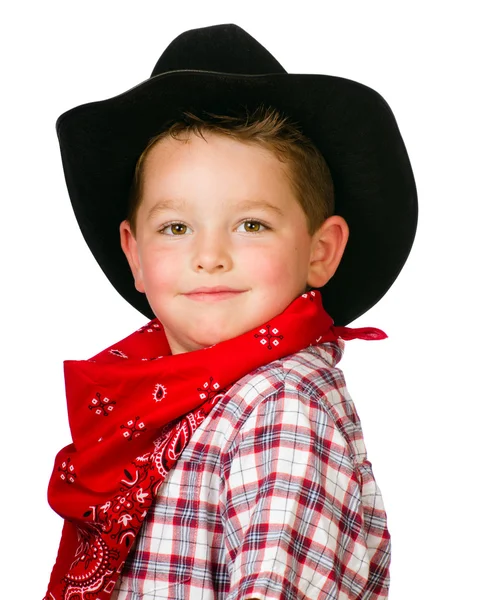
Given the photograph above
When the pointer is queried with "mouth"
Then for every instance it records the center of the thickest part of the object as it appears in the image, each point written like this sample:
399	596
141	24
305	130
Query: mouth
213	294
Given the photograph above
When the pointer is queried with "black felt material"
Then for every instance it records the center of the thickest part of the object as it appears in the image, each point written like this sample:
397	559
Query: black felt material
222	69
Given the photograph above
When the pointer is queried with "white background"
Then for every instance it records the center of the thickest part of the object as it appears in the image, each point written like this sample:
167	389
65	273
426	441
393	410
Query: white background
415	392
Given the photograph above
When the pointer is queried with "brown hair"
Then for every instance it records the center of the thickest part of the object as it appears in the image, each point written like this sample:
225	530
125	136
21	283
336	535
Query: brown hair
308	172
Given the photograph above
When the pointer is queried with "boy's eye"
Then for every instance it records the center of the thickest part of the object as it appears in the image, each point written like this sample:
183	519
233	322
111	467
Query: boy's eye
178	229
253	226
174	229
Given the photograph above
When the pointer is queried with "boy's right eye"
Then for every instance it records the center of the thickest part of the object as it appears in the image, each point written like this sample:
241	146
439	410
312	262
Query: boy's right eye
173	229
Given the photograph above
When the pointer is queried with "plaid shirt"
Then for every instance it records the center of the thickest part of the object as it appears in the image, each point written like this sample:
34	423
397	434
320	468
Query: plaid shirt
273	498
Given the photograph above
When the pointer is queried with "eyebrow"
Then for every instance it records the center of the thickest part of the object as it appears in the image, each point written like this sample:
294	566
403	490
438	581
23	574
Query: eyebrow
167	204
259	204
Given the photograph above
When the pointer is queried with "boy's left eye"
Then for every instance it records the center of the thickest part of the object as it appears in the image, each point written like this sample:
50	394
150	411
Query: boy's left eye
252	226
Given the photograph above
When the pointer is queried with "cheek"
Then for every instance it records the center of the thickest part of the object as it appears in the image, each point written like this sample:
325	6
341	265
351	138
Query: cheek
282	261
266	265
159	268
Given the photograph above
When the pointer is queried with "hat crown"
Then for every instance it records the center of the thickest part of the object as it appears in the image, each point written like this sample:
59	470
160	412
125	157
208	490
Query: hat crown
220	48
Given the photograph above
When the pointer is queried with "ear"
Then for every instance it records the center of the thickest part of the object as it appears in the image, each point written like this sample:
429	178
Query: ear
327	249
130	248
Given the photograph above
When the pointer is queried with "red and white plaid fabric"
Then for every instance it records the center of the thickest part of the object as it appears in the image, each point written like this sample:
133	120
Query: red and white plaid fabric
273	498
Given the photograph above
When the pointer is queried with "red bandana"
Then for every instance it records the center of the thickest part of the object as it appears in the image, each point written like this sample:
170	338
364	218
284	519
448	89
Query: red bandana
133	409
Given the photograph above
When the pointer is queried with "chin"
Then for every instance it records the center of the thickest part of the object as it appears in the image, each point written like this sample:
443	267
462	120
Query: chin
204	339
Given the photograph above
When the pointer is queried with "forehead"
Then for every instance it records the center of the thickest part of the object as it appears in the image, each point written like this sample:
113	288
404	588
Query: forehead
218	162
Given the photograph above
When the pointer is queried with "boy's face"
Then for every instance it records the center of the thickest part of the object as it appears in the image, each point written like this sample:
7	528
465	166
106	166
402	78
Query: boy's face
216	213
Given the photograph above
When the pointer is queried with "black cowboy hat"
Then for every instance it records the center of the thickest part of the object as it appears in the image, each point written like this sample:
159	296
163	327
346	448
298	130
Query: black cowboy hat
217	69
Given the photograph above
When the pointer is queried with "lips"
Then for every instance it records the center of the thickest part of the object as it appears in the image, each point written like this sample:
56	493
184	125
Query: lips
213	294
213	290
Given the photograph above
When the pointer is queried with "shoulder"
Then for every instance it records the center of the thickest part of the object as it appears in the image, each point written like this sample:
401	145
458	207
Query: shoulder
310	375
312	362
293	419
312	371
303	394
303	386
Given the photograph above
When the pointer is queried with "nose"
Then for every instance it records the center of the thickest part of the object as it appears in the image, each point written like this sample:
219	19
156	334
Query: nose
212	252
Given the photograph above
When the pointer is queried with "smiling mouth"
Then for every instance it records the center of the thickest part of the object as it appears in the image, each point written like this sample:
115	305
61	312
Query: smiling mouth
214	296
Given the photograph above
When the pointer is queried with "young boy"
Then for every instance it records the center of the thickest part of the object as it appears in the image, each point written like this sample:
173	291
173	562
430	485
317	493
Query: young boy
216	452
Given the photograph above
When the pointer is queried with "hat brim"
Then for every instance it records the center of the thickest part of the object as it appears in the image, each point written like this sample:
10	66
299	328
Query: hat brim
350	123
